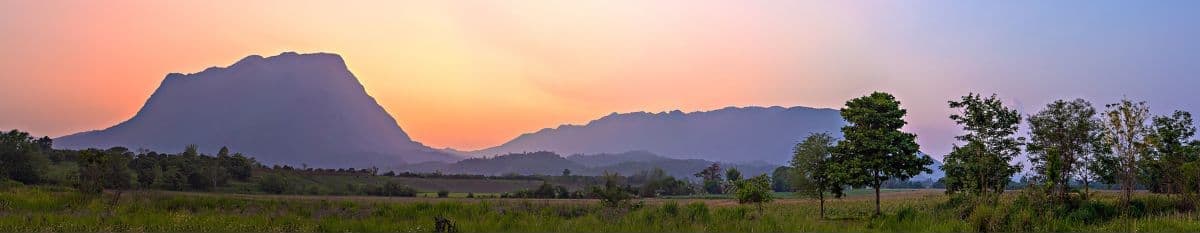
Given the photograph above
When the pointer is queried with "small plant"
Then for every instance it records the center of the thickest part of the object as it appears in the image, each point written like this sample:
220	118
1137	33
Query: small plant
441	224
470	195
443	193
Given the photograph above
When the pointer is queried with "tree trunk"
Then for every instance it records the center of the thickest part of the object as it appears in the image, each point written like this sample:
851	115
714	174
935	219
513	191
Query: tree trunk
1086	188
877	212
822	198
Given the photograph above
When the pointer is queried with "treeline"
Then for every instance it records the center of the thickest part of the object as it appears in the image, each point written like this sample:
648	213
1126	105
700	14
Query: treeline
1071	145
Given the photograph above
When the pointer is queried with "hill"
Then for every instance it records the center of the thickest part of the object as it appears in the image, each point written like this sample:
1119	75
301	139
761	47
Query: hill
730	134
288	109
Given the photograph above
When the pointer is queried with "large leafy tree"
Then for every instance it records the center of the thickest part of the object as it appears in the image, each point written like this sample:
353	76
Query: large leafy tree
1061	139
810	169
983	164
1125	130
874	149
1171	147
22	157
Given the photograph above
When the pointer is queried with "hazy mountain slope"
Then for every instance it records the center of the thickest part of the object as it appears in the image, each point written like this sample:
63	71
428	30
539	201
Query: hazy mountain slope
287	109
729	134
600	160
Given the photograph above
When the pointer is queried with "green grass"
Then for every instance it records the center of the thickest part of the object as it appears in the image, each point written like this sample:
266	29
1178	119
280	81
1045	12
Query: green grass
56	209
790	195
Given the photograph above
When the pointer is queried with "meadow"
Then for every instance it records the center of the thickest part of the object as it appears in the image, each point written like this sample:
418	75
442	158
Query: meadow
58	209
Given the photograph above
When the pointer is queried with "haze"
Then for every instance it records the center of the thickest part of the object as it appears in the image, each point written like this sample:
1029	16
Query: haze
474	74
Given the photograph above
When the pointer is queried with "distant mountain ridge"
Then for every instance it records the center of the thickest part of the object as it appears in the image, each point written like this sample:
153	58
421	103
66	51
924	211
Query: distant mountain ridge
732	134
550	163
287	109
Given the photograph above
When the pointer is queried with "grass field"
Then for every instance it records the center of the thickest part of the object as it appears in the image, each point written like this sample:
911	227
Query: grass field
56	209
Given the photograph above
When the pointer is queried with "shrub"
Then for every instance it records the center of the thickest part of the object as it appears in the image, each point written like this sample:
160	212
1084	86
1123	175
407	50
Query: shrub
273	183
394	189
443	193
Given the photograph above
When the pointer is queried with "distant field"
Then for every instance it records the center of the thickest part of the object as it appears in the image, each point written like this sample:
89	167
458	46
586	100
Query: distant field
331	184
56	209
789	195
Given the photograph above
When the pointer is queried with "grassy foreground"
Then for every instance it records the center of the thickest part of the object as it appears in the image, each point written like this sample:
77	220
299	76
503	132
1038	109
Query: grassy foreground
41	209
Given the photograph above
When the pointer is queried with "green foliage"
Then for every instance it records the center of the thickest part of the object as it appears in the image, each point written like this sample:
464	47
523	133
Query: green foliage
711	177
733	175
443	193
756	190
781	179
395	189
811	174
1125	130
611	195
273	183
874	149
1171	149
22	158
983	165
1066	142
105	169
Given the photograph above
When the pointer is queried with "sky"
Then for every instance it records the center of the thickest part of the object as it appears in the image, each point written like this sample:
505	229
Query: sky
474	74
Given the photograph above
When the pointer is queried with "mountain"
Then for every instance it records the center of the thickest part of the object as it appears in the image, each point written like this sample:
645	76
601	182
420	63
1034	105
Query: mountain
287	109
606	159
730	134
549	163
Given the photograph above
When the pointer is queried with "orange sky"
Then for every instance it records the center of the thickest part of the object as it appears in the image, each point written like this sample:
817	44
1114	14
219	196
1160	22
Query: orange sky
473	74
464	74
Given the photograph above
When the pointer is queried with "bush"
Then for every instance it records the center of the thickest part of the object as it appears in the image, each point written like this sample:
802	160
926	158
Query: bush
273	183
443	193
394	189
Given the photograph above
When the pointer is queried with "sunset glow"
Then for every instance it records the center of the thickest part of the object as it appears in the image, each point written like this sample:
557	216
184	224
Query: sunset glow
474	74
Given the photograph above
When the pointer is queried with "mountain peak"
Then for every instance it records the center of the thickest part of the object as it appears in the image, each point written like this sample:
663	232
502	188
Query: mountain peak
286	109
730	134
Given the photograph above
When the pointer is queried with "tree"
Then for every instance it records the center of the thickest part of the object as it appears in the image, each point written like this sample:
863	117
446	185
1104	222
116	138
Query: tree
733	175
781	179
22	157
107	169
611	195
811	160
1170	140
712	178
983	164
148	170
756	190
1125	130
874	149
1061	137
566	172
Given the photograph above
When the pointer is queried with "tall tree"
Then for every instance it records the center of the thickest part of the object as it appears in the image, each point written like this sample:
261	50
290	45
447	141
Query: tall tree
811	160
1125	130
874	149
983	165
711	177
1169	140
1060	136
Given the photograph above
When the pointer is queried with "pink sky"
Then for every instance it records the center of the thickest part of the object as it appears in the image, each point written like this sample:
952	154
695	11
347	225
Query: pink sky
474	74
